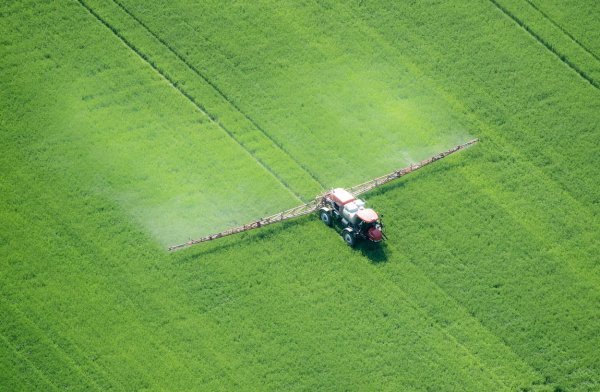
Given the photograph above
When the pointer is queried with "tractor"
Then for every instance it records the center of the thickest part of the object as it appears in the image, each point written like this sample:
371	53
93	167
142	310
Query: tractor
337	206
340	207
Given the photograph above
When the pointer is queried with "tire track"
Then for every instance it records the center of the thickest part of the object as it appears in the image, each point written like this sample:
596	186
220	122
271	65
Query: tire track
219	91
52	344
547	45
565	32
40	374
73	351
485	129
177	87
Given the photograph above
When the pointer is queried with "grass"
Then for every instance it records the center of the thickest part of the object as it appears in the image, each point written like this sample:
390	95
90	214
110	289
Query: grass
134	125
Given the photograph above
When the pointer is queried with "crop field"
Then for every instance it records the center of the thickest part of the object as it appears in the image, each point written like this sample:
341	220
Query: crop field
127	126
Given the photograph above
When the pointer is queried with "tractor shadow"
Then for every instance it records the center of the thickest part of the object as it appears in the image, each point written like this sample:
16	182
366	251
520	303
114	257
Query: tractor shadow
376	253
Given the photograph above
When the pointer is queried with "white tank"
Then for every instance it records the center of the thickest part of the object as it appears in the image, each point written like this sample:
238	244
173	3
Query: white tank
350	210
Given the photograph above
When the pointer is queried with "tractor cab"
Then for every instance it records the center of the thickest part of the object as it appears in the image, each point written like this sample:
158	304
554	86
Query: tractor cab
339	199
356	220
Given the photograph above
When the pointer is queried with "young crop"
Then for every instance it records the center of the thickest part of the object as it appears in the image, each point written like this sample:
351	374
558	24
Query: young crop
127	125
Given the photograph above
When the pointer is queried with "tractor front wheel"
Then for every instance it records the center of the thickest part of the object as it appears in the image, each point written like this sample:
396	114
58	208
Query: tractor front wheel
326	218
349	238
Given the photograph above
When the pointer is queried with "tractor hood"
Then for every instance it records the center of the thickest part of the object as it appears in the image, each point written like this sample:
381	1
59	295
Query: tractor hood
375	234
367	215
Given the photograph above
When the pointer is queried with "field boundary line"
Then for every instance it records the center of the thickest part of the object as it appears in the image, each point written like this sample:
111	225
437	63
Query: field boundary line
546	44
176	86
219	91
565	32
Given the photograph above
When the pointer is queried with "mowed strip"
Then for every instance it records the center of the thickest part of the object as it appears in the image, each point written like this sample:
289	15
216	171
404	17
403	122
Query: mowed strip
206	96
110	114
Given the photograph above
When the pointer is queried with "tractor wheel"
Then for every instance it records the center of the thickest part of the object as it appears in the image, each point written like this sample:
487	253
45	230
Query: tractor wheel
349	238
326	218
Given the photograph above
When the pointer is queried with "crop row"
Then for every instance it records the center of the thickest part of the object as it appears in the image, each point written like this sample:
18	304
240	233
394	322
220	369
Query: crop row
488	280
312	80
142	143
553	38
205	95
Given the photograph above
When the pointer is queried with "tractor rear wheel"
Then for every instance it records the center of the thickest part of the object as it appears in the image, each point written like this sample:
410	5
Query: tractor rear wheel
349	238
326	218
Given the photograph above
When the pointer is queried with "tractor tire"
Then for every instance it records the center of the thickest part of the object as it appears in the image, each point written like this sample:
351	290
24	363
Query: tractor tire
327	218
349	238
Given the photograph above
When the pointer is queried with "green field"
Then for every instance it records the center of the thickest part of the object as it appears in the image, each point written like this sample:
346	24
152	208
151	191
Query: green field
127	126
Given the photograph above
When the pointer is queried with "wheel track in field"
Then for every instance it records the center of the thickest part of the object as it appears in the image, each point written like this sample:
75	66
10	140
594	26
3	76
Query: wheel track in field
66	358
443	330
546	44
384	279
40	374
501	141
50	330
218	90
70	350
455	307
190	98
486	129
563	30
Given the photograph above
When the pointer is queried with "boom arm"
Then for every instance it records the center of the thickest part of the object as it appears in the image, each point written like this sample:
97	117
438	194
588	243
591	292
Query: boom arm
295	212
367	186
314	205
